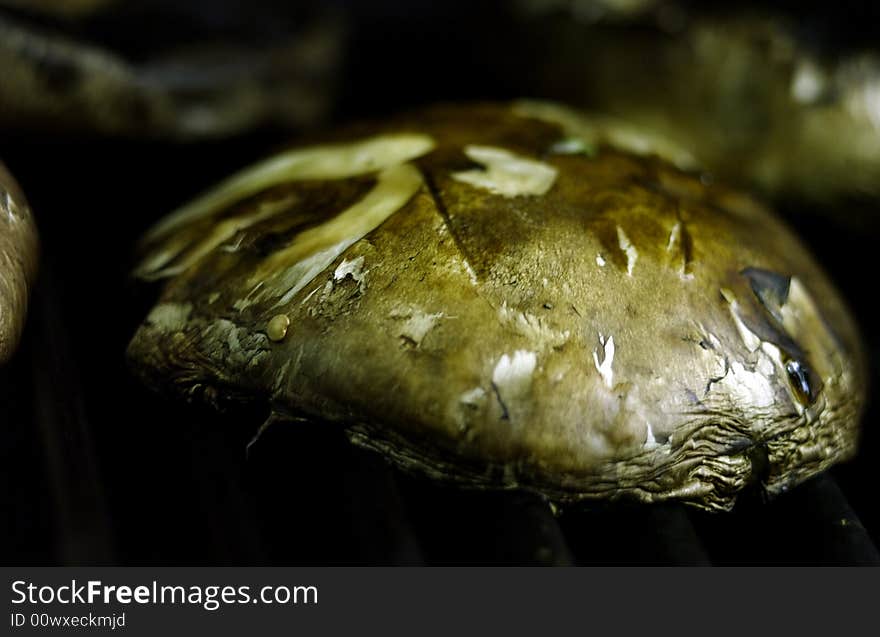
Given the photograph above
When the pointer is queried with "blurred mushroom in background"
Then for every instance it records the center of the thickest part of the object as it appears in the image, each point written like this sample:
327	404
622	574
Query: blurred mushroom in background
764	99
18	262
167	70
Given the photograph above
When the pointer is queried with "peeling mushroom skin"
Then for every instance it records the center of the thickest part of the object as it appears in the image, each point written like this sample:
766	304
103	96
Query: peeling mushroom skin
18	262
502	310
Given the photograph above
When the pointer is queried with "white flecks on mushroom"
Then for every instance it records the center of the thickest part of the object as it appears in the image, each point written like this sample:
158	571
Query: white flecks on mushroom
10	207
600	261
748	387
650	440
770	361
309	296
604	367
675	243
233	247
333	161
417	324
506	173
674	236
512	377
749	338
628	249
353	268
799	308
572	146
297	276
470	272
473	397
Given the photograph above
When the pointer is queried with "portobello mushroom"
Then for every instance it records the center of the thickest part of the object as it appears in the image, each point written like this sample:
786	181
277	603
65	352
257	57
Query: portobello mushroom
512	296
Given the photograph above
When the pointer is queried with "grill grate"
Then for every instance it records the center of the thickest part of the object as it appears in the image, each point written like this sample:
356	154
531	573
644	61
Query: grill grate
117	475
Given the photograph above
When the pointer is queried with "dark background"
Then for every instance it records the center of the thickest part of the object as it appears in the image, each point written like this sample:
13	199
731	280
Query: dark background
98	470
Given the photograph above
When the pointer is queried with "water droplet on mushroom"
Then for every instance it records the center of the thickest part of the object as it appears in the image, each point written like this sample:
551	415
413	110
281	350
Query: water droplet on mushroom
276	330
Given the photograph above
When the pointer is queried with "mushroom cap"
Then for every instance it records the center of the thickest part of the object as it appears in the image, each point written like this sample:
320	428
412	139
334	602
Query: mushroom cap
512	296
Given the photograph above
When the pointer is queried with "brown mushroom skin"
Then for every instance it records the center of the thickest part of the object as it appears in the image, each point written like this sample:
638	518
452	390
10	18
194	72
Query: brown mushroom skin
18	262
538	309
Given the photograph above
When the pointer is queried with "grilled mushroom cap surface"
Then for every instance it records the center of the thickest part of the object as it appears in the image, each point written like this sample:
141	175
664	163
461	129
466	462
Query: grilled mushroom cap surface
18	262
495	295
